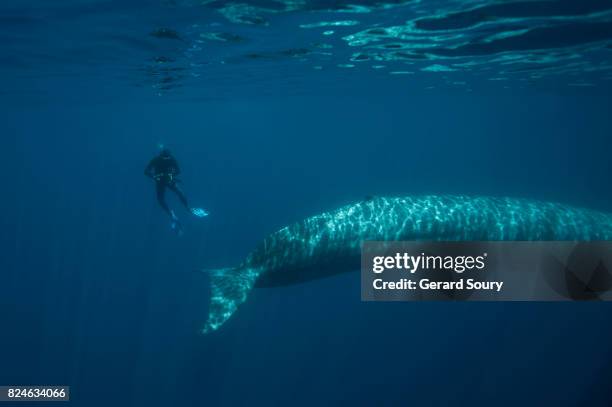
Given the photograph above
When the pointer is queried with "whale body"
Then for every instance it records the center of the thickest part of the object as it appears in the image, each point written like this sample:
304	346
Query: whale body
330	243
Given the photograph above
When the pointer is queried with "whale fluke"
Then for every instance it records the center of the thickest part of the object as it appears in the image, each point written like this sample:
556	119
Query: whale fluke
228	289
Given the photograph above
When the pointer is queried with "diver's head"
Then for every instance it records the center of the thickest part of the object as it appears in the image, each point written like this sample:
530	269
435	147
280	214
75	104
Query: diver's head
164	152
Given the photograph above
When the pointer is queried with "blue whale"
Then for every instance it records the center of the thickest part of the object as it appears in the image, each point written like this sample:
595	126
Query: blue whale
330	243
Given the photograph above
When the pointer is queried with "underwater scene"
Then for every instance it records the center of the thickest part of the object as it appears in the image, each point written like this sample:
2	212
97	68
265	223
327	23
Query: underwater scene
186	186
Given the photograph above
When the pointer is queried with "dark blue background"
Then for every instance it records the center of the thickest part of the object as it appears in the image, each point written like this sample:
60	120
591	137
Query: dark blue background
269	127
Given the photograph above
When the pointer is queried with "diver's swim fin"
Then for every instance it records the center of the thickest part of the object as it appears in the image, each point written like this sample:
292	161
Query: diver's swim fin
176	225
199	212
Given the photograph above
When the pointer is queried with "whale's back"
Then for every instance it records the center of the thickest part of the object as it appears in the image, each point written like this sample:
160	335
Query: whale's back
329	243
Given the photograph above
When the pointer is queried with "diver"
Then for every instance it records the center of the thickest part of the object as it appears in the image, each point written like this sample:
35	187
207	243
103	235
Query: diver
164	170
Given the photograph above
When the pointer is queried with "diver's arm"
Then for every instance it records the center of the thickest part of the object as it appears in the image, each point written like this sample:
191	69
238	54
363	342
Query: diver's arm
175	167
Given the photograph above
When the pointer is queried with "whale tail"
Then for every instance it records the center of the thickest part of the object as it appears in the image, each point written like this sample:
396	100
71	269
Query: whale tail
229	288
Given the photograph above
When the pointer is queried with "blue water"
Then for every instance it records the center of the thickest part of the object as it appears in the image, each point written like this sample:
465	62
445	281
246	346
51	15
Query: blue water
278	110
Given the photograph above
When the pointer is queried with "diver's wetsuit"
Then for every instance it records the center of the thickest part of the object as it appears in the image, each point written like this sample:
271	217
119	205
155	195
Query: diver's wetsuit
164	169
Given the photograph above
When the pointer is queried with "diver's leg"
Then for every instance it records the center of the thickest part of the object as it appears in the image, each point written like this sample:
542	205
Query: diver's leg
160	189
199	212
175	224
177	190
